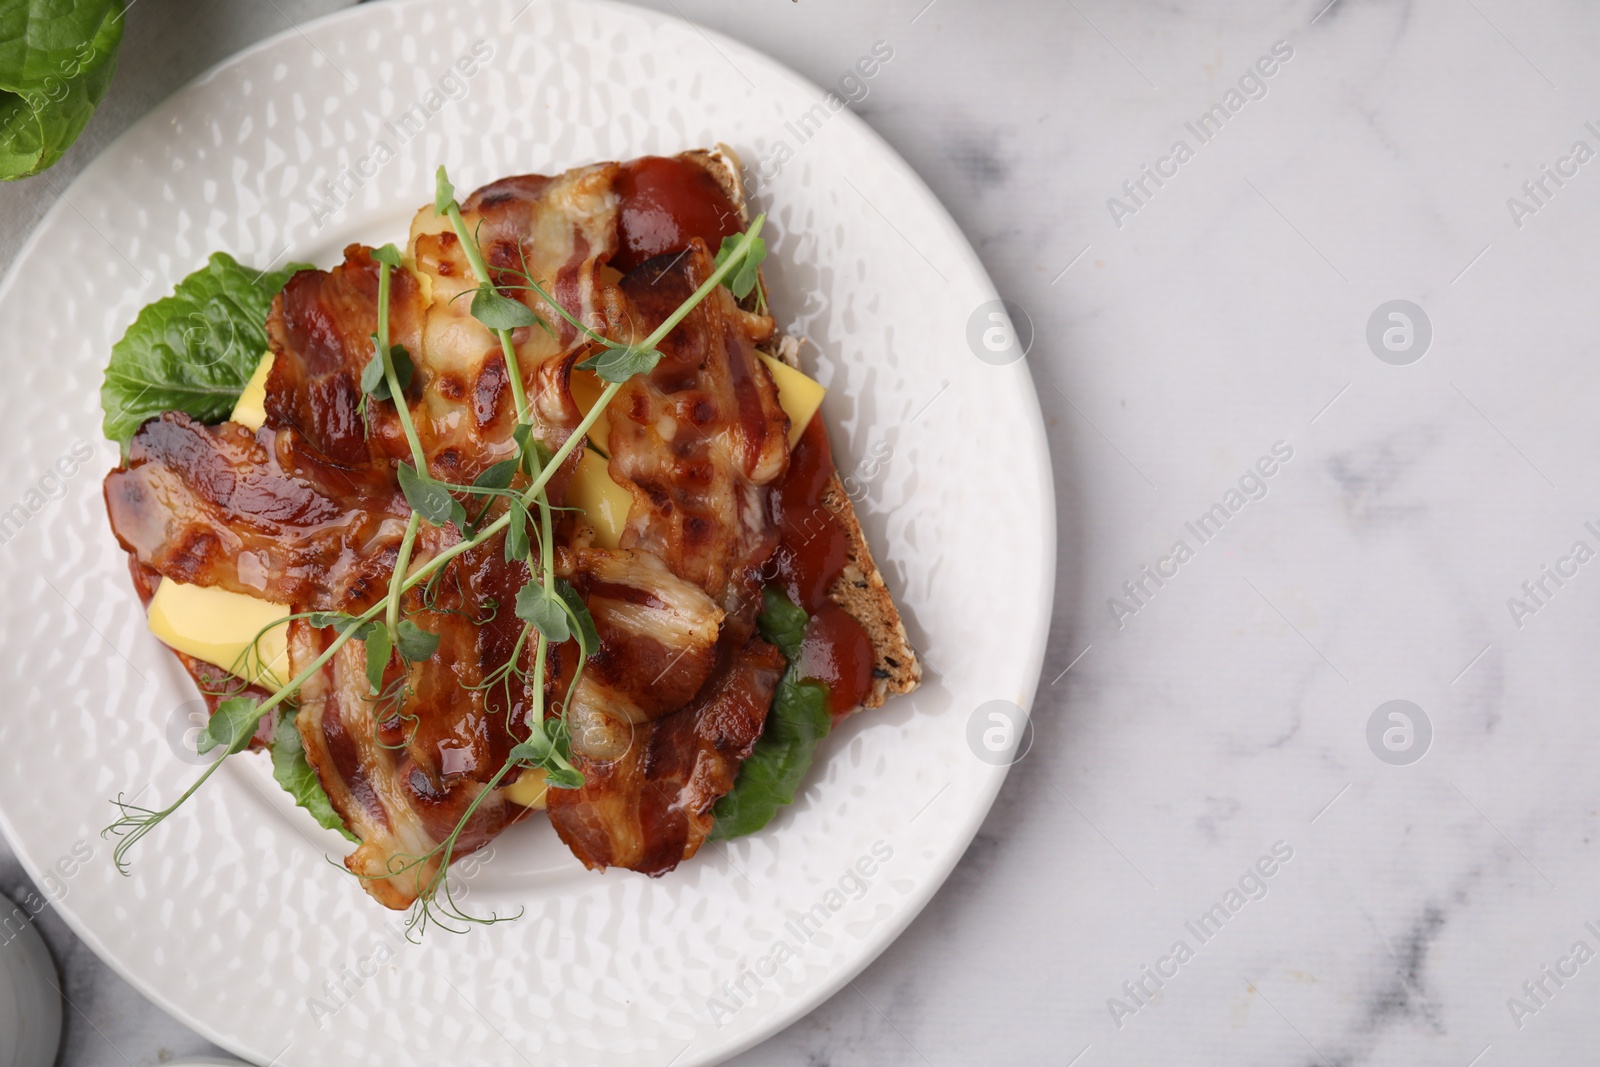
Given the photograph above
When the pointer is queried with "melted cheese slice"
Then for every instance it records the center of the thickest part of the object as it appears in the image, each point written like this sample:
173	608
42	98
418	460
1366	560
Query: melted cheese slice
250	409
798	395
218	626
605	503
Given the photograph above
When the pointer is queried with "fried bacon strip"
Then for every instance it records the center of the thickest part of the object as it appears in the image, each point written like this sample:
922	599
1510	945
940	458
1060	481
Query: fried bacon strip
307	512
217	505
650	809
658	636
695	441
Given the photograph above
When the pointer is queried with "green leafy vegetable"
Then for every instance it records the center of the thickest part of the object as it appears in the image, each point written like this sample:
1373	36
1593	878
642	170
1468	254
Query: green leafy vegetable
497	476
342	623
415	643
40	38
500	312
231	725
797	723
782	622
379	645
517	546
375	383
544	610
428	498
563	778
534	751
744	276
558	613
57	59
192	351
583	622
550	753
291	770
621	363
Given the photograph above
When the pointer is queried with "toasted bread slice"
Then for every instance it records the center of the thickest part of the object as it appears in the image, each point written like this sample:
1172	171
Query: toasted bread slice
859	589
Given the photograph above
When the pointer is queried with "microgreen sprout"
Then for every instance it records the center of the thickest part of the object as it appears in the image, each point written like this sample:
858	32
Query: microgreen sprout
500	313
748	274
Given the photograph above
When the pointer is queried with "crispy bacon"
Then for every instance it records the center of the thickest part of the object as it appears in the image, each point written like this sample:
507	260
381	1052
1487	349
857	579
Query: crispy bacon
307	511
658	636
697	438
217	505
561	230
322	328
403	768
650	808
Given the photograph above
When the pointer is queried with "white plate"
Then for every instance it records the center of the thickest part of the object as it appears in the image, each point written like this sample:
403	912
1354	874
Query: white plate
233	920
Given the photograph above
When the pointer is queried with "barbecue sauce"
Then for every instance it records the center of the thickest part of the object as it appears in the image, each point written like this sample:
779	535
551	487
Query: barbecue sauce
665	203
812	551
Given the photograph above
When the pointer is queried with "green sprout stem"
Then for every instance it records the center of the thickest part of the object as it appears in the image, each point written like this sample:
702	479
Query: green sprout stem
391	619
402	562
401	408
480	269
542	647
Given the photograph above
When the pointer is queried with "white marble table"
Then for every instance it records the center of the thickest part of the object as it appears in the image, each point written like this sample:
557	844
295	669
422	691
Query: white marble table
1214	726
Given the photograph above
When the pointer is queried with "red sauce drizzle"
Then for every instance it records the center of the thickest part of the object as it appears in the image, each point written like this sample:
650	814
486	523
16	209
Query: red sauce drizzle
813	545
837	652
812	551
664	204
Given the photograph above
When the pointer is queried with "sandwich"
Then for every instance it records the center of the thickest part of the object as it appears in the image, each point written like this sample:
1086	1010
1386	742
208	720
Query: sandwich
535	514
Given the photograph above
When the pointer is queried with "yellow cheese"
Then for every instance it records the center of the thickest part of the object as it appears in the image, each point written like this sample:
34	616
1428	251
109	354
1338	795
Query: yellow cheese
250	409
605	503
217	626
799	396
586	388
529	790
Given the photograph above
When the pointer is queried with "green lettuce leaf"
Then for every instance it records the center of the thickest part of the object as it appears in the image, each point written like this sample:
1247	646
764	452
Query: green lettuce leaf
290	769
192	351
782	622
797	723
57	59
44	38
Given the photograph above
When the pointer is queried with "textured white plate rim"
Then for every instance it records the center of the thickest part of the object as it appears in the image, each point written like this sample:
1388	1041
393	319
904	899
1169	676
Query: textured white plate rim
1031	441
